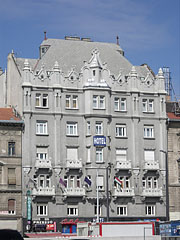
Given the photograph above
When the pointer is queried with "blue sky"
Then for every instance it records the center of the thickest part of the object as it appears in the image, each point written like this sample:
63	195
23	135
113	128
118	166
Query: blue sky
149	31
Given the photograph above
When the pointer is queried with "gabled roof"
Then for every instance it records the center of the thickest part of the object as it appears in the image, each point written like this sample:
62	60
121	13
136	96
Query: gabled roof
7	114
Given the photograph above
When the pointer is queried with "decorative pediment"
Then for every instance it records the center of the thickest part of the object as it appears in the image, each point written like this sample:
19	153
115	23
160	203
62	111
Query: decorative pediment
149	80
73	76
95	60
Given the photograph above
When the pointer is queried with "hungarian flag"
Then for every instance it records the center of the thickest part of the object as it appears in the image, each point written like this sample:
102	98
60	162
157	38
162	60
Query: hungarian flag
62	182
118	181
87	180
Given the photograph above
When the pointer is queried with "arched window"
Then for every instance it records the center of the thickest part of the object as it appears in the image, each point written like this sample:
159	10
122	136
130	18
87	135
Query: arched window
11	206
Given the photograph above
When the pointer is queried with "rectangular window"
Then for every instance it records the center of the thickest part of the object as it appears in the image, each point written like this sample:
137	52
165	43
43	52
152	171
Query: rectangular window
78	182
88	128
119	104
88	155
99	101
41	127
71	128
71	182
72	210
41	153
44	181
68	99
38	99
150	210
149	155
148	105
150	182
11	148
75	102
41	100
11	176
100	182
121	155
124	182
72	153
11	206
120	130
42	210
99	128
45	100
99	155
122	210
148	131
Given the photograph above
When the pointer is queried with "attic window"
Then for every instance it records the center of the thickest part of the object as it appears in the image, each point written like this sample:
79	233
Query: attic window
43	50
94	72
72	77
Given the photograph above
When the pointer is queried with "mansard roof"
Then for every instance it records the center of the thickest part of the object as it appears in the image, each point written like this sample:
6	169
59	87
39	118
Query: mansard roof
72	54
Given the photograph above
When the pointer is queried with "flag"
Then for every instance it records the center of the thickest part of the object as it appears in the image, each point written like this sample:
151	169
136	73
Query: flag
118	181
88	181
62	182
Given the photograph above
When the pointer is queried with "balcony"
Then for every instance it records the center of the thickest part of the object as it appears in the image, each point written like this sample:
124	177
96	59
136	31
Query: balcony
74	192
43	191
123	165
151	166
123	192
152	192
73	164
43	163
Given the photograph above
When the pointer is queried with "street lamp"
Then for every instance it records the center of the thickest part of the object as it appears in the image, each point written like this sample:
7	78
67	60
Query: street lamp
167	189
107	189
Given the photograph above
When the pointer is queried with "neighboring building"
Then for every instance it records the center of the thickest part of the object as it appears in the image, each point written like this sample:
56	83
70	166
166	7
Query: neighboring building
2	87
86	107
173	113
11	127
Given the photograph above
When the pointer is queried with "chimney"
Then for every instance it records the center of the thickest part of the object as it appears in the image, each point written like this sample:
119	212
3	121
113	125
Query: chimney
117	38
45	38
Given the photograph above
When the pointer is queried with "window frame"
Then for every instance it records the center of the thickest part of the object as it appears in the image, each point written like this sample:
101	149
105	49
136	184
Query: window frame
147	105
120	130
124	210
71	126
39	100
74	209
41	125
44	208
98	102
152	209
148	131
11	148
99	155
120	104
99	128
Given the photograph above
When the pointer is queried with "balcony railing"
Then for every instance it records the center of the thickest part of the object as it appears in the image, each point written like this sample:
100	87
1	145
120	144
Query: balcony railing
43	163
152	192
73	164
74	192
123	165
126	192
43	191
151	165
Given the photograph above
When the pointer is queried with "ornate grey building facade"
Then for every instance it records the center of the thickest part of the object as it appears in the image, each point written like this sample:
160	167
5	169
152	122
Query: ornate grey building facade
86	108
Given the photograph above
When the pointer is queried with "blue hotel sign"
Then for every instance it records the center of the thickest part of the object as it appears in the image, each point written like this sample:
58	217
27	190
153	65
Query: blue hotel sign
99	141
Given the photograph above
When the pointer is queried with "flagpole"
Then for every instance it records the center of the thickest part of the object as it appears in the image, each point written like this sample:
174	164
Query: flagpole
97	189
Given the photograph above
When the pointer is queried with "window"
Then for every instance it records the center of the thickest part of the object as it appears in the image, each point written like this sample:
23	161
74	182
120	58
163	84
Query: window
99	102
78	182
150	182
42	210
11	206
122	210
88	155
99	128
150	210
71	182
41	127
119	104
72	211
41	153
149	155
11	176
95	210
100	182
120	130
71	128
72	153
148	105
121	155
148	131
41	100
44	181
11	148
99	155
125	182
72	101
88	128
